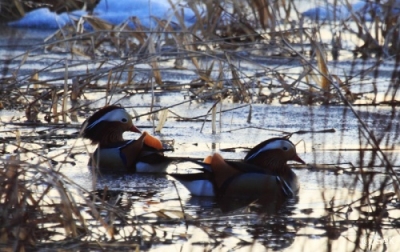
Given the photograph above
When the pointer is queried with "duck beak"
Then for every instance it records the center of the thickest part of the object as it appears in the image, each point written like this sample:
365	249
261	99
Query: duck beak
298	159
134	129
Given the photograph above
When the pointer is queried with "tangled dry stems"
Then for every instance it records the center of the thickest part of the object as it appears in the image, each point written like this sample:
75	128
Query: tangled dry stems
42	207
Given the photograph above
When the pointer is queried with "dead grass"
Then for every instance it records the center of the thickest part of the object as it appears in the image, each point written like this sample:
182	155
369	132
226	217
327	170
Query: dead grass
41	206
237	51
129	58
43	209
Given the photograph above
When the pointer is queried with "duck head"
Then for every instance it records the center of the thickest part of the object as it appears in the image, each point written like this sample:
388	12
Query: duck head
106	126
273	155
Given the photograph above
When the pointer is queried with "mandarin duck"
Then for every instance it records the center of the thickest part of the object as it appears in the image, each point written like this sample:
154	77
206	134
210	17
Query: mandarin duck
262	173
114	154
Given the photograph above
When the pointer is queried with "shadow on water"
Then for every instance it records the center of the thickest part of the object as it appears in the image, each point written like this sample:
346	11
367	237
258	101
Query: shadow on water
339	199
213	102
146	186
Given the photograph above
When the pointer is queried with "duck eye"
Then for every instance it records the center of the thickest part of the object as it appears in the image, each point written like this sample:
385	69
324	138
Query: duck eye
285	148
124	120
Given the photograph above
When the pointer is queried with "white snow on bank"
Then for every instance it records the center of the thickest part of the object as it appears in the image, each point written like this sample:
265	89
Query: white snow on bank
118	11
329	12
113	11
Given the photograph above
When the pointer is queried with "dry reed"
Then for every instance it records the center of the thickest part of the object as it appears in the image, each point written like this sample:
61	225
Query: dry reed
230	52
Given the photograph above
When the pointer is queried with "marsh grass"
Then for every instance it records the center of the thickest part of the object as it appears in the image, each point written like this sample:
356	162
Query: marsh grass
236	51
40	206
43	209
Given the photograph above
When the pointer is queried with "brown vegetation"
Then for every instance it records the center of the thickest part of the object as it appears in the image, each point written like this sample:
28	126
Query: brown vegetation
237	51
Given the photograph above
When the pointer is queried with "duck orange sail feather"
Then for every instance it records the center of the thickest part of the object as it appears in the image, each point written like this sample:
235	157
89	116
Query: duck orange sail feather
151	141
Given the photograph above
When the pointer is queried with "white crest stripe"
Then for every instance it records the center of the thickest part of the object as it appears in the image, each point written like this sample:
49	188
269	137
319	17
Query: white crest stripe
113	115
277	144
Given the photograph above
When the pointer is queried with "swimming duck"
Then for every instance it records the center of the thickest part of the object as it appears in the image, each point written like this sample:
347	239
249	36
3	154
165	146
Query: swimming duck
262	173
114	154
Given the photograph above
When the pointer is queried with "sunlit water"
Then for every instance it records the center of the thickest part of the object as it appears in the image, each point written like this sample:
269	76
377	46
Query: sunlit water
320	189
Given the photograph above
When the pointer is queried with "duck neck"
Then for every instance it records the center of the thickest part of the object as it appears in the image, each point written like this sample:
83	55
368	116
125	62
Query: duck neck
272	163
111	138
277	166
